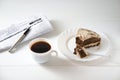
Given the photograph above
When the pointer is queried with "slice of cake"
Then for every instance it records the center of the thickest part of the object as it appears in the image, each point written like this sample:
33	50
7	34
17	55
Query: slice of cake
80	51
85	39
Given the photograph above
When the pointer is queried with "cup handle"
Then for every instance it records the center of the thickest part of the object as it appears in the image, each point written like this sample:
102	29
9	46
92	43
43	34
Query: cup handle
54	51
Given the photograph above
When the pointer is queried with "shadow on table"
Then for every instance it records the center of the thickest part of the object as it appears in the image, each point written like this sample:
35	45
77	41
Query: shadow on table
57	61
65	68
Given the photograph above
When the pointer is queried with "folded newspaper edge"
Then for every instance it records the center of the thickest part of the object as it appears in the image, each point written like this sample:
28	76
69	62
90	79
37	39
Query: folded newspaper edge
9	35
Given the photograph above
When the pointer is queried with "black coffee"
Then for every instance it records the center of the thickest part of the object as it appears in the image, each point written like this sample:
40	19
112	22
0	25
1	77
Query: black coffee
40	47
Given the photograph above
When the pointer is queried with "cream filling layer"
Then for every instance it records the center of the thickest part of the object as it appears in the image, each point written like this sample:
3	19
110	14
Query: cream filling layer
92	44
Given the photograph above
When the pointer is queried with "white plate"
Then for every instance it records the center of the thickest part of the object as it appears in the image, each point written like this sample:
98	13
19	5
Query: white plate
66	44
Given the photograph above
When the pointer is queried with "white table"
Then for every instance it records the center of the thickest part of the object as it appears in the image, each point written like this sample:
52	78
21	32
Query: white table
64	14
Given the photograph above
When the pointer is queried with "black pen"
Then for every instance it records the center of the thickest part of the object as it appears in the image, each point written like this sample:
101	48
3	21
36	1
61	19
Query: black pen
13	48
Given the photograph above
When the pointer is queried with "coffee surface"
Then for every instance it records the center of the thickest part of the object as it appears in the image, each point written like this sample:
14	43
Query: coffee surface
40	47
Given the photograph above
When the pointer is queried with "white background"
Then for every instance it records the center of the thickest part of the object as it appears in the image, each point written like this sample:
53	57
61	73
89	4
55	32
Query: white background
103	15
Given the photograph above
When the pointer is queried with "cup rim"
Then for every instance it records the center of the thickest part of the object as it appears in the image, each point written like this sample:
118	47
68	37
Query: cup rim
37	40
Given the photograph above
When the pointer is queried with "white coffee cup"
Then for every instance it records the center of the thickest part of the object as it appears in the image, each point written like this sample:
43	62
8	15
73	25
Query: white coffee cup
41	50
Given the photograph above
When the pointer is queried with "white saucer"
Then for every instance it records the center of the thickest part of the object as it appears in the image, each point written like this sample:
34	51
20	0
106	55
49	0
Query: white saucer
66	44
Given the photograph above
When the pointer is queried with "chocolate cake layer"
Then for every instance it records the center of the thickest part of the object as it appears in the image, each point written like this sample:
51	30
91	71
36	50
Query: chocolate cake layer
91	40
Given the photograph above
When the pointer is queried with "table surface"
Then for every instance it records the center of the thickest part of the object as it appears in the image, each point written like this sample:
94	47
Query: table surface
103	15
